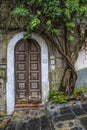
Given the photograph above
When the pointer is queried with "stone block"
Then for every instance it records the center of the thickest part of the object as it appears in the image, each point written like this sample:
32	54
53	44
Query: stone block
58	75
58	63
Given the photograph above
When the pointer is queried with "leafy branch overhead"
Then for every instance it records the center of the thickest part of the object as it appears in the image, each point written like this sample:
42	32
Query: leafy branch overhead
50	15
61	22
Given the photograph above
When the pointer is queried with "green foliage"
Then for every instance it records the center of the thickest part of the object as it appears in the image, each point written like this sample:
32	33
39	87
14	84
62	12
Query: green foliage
70	38
71	7
60	98
57	96
52	9
34	23
83	12
49	14
67	14
56	31
37	2
49	25
20	11
46	15
70	25
78	91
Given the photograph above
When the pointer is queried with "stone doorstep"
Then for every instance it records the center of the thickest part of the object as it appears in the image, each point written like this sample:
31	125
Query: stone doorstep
29	105
31	113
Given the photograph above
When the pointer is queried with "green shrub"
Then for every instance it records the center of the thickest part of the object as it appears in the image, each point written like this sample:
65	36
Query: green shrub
57	96
60	98
78	91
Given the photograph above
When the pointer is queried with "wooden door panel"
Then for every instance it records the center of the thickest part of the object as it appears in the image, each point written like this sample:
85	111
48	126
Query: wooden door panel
21	95
20	71
34	76
21	66
33	57
21	46
35	96
33	47
22	85
33	66
34	85
21	57
28	71
21	76
35	73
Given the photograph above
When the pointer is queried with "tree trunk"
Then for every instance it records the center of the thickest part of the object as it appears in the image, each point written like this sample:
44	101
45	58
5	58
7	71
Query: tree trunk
70	76
68	81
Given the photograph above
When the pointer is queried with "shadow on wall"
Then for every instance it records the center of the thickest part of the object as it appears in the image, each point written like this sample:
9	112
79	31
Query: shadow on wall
82	78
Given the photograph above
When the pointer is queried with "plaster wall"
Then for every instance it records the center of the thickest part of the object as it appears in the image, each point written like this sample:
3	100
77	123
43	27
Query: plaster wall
81	67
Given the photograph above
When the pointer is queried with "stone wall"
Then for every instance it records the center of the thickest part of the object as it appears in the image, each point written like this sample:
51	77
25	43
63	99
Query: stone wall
4	40
3	46
56	66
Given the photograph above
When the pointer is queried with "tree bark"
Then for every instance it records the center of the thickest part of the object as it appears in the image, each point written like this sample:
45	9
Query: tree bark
68	81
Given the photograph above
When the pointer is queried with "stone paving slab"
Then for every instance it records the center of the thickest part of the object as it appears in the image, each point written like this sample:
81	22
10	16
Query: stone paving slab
67	116
83	121
30	119
51	117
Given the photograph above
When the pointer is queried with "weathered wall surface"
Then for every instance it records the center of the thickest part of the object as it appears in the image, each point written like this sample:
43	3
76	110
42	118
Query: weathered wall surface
82	78
4	39
56	66
81	67
3	51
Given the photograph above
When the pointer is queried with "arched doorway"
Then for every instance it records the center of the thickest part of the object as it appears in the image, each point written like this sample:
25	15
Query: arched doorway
27	72
42	49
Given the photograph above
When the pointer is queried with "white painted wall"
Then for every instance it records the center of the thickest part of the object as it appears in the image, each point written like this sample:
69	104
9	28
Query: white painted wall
81	61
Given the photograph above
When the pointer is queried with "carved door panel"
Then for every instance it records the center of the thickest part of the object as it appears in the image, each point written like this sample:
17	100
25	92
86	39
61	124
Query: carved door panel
34	72
28	72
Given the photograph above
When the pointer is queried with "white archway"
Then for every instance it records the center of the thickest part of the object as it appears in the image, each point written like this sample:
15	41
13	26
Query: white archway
10	88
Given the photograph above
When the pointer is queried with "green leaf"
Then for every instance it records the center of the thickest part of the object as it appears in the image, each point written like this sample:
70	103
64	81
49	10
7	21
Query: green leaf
48	25
20	11
70	38
57	31
70	25
33	23
67	13
52	9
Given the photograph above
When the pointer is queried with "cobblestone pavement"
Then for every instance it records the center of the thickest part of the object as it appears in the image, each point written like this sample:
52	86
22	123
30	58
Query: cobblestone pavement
68	116
29	119
50	117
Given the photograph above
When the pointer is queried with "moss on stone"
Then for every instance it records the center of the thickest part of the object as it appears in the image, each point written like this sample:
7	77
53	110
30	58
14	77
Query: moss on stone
2	73
2	113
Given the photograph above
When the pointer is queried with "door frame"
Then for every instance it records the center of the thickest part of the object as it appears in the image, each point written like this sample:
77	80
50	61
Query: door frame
10	86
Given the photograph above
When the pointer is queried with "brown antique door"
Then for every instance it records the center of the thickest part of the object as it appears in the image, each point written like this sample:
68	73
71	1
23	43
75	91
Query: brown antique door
27	72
